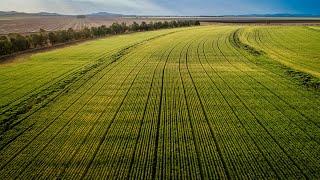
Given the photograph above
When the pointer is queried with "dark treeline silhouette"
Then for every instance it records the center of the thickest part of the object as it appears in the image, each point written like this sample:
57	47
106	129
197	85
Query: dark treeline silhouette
13	43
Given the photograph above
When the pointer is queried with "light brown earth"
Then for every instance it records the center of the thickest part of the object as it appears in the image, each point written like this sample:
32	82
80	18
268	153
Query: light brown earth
31	24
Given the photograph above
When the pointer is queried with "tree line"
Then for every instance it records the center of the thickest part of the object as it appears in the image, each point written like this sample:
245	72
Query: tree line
13	43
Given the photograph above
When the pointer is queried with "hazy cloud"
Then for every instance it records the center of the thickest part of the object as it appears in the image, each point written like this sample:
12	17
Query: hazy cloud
85	6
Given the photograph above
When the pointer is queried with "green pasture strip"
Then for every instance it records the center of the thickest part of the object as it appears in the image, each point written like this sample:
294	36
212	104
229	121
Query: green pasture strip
295	47
316	28
290	109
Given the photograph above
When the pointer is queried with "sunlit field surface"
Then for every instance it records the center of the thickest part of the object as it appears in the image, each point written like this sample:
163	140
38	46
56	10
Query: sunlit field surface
238	102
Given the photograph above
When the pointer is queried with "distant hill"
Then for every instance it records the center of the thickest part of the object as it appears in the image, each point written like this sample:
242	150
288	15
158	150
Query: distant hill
105	14
98	14
15	13
47	14
6	13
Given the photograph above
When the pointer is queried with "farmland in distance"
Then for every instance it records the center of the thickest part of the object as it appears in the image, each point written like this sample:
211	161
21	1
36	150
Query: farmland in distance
32	24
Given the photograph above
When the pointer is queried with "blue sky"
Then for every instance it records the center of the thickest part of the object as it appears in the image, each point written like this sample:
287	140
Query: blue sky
165	7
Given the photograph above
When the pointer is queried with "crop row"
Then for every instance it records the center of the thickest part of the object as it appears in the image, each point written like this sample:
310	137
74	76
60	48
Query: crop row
64	110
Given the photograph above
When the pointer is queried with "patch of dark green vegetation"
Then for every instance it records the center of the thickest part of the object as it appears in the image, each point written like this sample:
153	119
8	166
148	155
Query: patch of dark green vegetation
244	46
304	78
262	58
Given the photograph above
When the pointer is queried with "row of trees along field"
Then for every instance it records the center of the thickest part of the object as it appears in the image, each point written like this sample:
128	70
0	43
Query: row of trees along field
13	43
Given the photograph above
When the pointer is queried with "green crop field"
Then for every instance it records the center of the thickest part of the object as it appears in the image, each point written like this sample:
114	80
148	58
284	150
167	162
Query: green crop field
315	27
296	47
208	102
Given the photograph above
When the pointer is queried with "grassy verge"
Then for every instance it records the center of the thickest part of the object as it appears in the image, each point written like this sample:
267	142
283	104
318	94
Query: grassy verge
262	58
